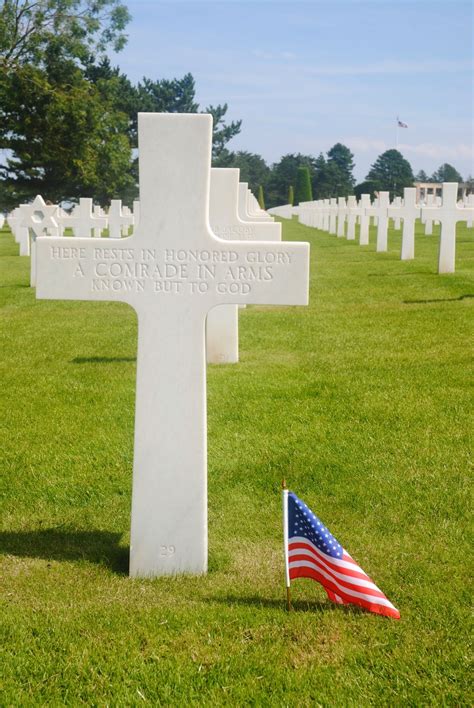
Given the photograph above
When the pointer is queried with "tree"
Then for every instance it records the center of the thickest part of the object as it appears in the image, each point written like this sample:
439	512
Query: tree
30	31
340	164
70	139
261	198
391	173
367	187
221	132
303	192
70	143
283	174
77	136
421	176
291	195
253	168
446	173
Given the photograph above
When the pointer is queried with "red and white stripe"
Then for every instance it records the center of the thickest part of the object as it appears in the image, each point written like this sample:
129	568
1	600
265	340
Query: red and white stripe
344	581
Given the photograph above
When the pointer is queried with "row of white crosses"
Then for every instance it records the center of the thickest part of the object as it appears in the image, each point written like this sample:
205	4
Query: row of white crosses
31	221
234	214
339	216
187	261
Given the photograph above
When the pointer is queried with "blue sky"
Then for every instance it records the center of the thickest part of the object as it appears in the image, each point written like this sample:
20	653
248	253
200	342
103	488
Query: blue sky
305	75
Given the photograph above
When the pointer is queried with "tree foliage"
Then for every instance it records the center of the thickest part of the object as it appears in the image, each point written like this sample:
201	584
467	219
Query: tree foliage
303	191
261	197
446	173
283	173
30	31
421	176
391	173
291	195
78	132
367	187
253	168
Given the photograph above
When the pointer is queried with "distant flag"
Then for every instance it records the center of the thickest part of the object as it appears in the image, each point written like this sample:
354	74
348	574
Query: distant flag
401	124
312	552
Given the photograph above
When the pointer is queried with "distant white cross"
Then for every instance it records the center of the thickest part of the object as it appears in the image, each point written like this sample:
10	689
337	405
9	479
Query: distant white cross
341	216
448	214
379	211
116	219
82	219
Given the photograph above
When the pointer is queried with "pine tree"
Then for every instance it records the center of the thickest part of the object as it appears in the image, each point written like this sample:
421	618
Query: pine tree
261	198
291	195
303	192
391	172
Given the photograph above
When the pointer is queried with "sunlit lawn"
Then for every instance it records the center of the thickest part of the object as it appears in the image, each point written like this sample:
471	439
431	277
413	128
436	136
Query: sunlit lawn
360	400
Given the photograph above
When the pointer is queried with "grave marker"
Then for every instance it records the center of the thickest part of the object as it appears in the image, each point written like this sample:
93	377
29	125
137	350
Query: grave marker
448	214
82	220
99	213
172	271
39	219
222	323
341	216
333	215
116	219
410	212
428	222
352	213
380	213
364	219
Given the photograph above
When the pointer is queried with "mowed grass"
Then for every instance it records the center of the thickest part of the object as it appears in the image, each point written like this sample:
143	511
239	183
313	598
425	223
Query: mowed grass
360	400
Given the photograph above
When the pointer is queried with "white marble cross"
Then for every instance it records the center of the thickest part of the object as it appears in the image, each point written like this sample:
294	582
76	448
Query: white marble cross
22	233
396	204
172	271
325	208
470	205
13	220
448	214
410	212
379	211
126	226
244	210
116	219
341	216
353	211
364	219
99	213
82	219
333	216
428	221
222	324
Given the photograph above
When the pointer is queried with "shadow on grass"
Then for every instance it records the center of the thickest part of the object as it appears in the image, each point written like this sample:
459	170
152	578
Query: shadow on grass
101	359
101	547
441	299
296	605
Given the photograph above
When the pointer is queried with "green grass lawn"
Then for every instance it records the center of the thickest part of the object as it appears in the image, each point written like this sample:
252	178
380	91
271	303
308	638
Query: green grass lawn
360	400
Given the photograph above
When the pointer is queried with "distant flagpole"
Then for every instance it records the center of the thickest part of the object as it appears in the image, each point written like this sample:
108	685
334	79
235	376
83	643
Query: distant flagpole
284	491
396	132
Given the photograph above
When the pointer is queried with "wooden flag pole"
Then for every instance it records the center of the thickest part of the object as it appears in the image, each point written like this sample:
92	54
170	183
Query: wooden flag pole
285	543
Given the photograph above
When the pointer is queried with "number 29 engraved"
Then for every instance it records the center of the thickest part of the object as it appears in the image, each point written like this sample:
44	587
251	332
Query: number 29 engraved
167	551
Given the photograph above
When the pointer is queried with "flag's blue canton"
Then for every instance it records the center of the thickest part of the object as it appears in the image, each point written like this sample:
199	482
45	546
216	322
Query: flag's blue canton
302	522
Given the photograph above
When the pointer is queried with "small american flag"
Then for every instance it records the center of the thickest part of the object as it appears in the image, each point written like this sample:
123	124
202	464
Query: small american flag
401	124
311	551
